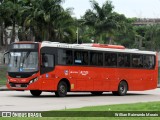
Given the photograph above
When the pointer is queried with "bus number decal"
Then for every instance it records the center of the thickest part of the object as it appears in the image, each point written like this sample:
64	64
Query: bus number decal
84	73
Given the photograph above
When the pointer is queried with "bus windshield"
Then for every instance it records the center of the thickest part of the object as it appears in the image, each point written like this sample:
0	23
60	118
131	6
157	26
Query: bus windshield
26	61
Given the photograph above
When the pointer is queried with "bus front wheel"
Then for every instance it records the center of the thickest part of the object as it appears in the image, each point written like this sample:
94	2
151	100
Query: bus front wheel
35	92
61	89
122	89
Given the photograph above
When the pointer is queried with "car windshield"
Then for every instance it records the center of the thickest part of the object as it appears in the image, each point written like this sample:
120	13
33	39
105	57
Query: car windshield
23	62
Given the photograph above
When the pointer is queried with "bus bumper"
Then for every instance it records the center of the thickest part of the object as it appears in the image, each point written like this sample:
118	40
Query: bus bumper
22	86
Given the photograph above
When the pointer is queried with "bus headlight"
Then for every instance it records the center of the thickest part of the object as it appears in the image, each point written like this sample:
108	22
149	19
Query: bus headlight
33	80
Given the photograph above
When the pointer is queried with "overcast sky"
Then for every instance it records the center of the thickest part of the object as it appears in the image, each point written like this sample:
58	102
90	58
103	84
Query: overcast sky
130	8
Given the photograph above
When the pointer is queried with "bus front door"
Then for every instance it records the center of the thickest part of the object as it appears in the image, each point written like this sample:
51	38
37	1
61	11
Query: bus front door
47	69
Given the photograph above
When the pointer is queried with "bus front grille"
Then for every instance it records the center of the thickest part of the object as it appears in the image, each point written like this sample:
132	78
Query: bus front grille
17	85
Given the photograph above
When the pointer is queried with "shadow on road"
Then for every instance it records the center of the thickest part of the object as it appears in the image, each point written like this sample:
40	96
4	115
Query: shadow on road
74	95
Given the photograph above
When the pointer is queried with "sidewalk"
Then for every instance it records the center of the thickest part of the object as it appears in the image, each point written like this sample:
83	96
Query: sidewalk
3	88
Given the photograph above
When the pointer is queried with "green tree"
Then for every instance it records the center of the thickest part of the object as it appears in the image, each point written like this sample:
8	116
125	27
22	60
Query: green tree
10	13
126	36
65	27
104	20
47	19
152	37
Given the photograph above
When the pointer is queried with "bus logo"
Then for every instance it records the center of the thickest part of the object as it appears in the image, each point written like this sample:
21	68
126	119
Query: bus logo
66	72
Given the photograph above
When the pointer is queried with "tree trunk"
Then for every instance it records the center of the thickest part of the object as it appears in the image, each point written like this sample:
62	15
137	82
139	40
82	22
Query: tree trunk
1	34
110	40
5	37
100	38
13	33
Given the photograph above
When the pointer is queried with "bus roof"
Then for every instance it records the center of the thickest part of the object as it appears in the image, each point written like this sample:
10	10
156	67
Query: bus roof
97	47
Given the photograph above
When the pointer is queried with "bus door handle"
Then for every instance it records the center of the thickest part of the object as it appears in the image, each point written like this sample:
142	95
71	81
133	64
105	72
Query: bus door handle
89	78
107	78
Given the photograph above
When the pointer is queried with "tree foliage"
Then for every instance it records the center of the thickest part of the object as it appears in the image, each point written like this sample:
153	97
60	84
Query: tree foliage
39	20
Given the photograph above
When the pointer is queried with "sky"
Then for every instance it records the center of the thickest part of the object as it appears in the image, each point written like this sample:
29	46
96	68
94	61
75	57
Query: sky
130	8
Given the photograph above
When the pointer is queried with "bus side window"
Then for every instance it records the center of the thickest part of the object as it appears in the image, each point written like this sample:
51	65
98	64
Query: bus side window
47	60
100	59
44	60
123	60
93	58
65	57
137	61
69	57
149	61
81	57
85	58
96	59
110	59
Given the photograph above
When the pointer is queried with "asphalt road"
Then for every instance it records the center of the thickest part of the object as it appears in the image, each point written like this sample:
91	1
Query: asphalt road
23	101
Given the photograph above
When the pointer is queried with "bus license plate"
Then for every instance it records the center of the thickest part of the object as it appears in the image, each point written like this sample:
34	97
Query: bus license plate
18	85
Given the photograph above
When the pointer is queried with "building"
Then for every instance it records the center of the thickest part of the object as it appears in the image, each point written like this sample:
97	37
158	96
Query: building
146	21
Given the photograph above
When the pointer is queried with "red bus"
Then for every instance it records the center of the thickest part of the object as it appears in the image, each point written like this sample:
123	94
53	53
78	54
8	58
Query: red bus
96	68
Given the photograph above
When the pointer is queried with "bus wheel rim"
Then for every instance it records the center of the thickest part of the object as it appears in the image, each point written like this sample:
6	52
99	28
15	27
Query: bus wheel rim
62	89
122	89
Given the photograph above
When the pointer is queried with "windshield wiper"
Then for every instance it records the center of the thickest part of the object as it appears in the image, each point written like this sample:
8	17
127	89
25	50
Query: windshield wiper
24	58
16	61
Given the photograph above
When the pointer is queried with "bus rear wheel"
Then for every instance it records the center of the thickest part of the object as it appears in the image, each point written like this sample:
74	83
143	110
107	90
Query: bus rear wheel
61	89
97	93
122	89
35	92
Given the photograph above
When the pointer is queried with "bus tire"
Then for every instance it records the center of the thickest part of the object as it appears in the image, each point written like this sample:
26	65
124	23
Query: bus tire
122	88
97	93
35	93
61	89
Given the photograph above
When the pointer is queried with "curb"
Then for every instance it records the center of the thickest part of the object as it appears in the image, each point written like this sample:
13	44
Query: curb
4	88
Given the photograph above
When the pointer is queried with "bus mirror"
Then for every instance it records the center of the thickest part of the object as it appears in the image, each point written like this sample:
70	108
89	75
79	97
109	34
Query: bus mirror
6	58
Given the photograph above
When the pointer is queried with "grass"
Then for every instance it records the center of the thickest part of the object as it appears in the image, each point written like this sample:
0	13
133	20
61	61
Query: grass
150	106
3	72
85	118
